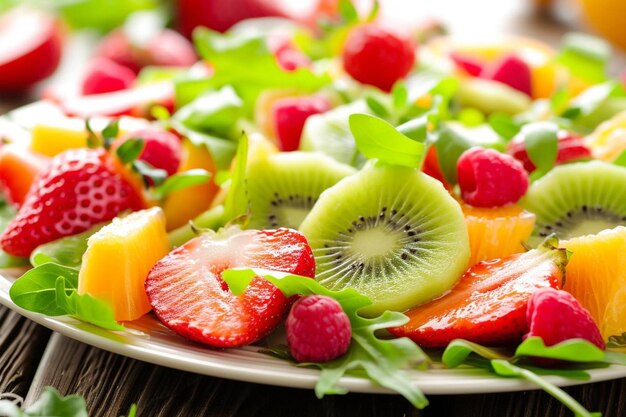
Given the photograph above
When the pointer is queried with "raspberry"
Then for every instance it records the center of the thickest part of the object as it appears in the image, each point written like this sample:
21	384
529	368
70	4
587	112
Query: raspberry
105	76
373	55
318	330
556	316
512	71
290	114
489	178
162	149
468	64
570	148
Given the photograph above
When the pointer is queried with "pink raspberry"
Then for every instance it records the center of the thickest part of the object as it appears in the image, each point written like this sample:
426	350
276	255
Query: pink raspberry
105	76
318	330
488	178
162	149
556	316
290	114
512	71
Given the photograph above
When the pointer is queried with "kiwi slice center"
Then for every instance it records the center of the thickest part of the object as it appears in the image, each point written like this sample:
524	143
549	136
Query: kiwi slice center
288	214
374	243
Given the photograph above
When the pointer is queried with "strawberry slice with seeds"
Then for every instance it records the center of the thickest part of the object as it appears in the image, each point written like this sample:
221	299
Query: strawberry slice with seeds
80	188
488	305
188	295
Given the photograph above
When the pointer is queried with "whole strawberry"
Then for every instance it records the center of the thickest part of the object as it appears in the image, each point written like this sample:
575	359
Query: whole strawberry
80	188
318	330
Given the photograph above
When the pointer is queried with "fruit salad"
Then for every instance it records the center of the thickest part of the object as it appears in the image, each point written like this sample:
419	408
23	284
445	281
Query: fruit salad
397	199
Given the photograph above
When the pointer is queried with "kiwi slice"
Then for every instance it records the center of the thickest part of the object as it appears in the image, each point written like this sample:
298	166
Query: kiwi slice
330	134
283	187
392	233
578	199
491	97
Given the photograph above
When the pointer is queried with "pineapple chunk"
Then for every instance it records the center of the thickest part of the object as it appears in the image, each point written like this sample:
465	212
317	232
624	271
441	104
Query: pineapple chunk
118	259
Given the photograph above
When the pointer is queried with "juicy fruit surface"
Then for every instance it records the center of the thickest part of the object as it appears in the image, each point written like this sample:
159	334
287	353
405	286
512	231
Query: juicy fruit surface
283	187
489	178
136	242
596	276
394	234
374	55
512	71
488	305
105	76
290	114
556	316
578	199
19	167
497	232
79	189
318	330
188	295
570	148
161	149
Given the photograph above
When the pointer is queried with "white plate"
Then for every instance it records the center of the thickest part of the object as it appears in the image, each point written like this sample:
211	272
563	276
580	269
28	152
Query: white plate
150	341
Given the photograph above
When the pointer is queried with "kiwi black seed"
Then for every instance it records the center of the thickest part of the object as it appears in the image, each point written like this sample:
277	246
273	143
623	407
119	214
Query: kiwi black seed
284	186
392	233
578	199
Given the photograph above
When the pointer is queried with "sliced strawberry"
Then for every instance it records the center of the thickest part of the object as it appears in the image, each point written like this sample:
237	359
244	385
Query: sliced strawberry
189	296
470	65
512	71
19	167
570	148
488	305
80	188
105	76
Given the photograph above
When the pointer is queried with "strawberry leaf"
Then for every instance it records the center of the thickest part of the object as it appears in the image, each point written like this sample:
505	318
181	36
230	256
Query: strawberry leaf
146	170
375	138
130	150
52	289
382	360
183	180
110	132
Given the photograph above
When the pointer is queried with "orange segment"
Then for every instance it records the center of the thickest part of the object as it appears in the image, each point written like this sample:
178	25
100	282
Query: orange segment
497	232
608	141
596	276
118	259
183	205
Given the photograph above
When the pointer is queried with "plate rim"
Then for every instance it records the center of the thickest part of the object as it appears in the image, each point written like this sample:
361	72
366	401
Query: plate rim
218	363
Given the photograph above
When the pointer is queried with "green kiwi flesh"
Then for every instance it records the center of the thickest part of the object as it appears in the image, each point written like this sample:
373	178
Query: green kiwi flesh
578	199
392	233
283	187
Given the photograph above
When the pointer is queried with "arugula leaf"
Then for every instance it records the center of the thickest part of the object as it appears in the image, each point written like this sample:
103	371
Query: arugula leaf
183	180
67	251
377	106
617	341
541	142
8	261
382	360
130	150
51	403
52	289
458	351
237	203
574	350
585	56
375	138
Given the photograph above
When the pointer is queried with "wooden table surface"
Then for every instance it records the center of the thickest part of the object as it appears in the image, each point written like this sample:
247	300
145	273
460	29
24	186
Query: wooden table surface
32	357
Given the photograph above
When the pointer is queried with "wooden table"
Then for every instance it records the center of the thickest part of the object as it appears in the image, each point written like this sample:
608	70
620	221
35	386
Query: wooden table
32	357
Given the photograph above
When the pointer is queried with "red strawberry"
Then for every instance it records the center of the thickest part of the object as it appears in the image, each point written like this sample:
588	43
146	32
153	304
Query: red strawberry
488	305
488	178
570	148
468	64
512	71
80	188
556	316
105	76
188	295
376	56
162	149
290	114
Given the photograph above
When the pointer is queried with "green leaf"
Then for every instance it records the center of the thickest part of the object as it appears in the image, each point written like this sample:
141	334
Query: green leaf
377	107
399	95
585	56
183	180
382	360
157	175
347	11
110	132
457	352
51	403
450	144
541	142
222	150
375	138
621	159
504	125
93	140
592	99
617	341
7	213
103	15
67	251
471	117
508	370
574	350
52	289
130	150
237	203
